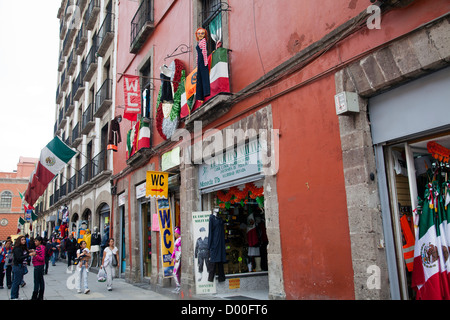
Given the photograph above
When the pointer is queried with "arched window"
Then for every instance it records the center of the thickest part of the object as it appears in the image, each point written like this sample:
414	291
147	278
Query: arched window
6	199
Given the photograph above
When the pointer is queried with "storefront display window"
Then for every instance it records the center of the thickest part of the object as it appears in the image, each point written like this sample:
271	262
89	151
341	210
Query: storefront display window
242	210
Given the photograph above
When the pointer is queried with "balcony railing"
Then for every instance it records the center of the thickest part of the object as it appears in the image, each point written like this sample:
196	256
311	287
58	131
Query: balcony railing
105	34
142	25
90	63
91	14
61	62
88	120
98	163
63	190
84	175
72	184
72	63
76	135
81	40
78	87
103	98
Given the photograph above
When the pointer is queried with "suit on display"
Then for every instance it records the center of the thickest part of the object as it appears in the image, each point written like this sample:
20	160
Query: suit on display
216	245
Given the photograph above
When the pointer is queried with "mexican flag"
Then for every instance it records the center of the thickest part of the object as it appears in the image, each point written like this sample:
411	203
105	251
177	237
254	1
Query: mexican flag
53	159
426	276
218	77
20	224
144	135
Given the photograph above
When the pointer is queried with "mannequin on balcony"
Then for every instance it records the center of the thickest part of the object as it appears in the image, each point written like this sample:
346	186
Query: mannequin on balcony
203	84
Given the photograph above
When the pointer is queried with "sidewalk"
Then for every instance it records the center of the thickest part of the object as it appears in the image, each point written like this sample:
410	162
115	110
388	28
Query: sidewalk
60	285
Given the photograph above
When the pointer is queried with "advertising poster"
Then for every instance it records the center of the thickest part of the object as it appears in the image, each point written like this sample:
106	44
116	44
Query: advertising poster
166	234
201	253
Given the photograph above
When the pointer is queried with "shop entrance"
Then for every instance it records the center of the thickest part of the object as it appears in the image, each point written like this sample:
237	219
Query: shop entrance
146	239
410	128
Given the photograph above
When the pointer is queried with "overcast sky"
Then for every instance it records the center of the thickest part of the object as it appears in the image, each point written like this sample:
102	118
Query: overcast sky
29	45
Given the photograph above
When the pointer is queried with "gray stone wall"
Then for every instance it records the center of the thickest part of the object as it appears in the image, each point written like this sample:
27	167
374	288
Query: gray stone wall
405	59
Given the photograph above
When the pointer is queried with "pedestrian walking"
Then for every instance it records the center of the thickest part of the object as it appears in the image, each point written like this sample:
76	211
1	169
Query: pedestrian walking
6	264
110	262
176	256
71	247
20	255
38	255
83	256
55	248
48	253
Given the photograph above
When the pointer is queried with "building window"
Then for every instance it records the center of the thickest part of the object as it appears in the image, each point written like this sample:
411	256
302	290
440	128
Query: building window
6	200
212	21
145	90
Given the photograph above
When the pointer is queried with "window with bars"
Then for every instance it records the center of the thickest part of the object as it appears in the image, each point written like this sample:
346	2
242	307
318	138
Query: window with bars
6	199
145	90
212	11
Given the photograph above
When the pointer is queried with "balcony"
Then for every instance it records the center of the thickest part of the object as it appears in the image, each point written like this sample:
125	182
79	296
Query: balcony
72	62
99	167
62	28
61	119
142	25
103	98
69	105
81	4
67	44
105	34
59	94
61	62
84	175
81	40
72	184
91	14
76	136
64	81
77	88
90	63
88	120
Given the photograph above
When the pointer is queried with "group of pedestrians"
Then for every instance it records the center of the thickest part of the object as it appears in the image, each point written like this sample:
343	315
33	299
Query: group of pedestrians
14	261
14	265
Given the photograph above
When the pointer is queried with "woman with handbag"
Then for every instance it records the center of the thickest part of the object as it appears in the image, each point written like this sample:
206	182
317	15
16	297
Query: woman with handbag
19	269
110	262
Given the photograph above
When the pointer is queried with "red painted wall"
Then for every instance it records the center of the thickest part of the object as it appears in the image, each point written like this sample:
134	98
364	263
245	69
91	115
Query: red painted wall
315	239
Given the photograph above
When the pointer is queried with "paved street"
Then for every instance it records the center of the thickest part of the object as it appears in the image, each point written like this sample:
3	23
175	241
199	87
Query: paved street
60	285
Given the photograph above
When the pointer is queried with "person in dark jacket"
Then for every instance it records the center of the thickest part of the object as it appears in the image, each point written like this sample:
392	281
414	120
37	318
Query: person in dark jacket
71	247
20	256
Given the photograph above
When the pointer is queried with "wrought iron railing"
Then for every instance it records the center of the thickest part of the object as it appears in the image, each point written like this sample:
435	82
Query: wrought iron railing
87	116
98	163
72	183
143	15
107	26
84	175
76	132
92	5
104	93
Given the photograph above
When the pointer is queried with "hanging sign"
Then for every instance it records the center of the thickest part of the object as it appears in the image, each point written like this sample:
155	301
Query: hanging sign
132	94
166	234
157	184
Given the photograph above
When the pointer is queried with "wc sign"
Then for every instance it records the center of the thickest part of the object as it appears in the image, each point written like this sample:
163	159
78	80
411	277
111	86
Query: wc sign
157	184
166	234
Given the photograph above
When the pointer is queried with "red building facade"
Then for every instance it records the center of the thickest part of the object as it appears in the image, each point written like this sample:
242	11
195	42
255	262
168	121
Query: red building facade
322	190
11	184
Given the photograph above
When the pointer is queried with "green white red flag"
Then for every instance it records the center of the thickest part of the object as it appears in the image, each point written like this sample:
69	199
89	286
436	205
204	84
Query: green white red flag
53	159
218	77
429	277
